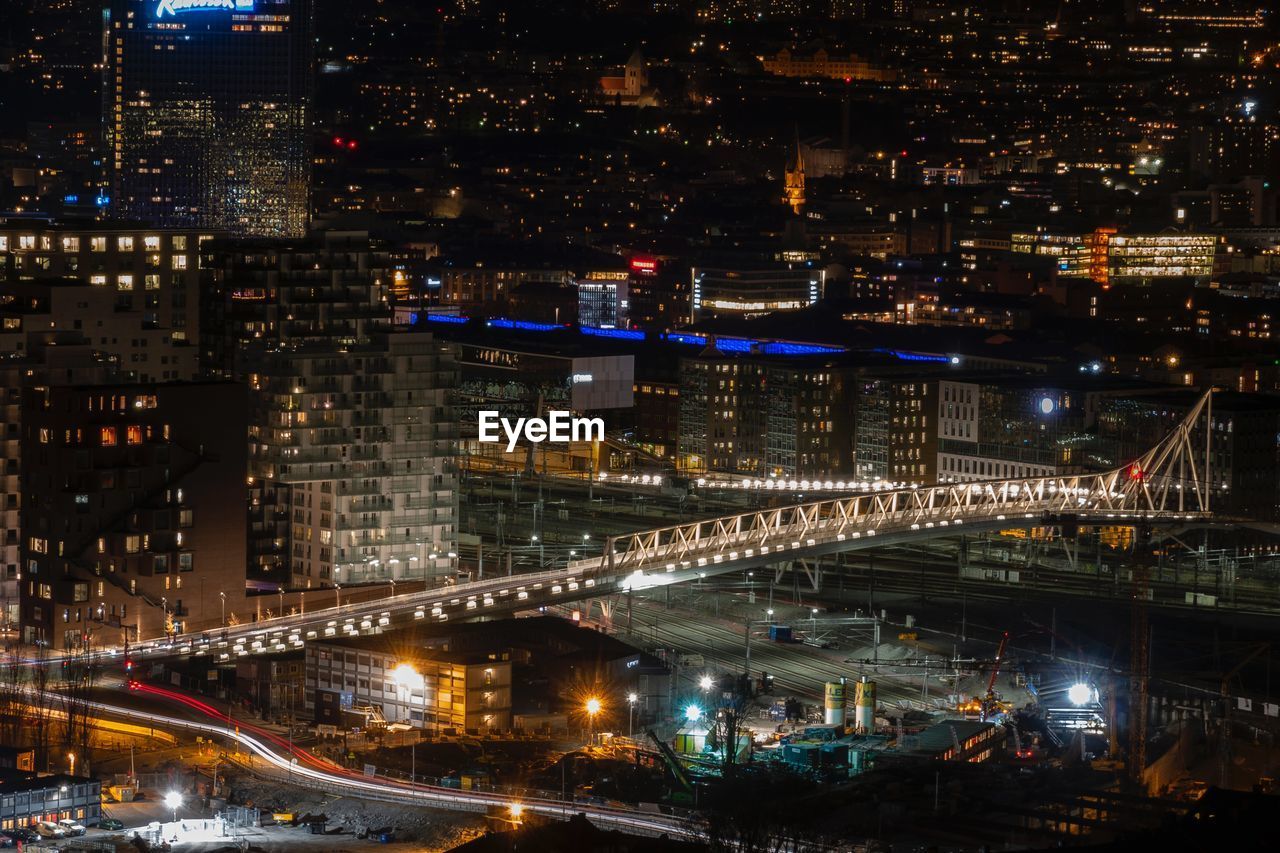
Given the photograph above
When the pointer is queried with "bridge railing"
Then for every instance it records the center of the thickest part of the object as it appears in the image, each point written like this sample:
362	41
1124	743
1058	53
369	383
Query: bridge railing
1170	480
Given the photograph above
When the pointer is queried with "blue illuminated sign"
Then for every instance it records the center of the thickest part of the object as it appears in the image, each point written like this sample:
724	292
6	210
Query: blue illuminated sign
175	7
446	318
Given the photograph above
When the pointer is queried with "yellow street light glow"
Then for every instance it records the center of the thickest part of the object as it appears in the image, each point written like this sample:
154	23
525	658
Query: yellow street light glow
593	706
407	676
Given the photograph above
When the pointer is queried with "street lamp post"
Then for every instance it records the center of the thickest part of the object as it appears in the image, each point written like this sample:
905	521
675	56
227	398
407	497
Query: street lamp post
593	708
631	715
173	799
223	597
337	591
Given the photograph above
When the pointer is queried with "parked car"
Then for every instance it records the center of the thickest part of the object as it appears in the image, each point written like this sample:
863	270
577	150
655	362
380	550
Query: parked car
24	834
110	824
72	827
49	829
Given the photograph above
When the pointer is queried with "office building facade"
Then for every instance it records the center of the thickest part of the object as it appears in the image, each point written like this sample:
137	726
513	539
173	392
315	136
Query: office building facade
207	110
352	427
133	518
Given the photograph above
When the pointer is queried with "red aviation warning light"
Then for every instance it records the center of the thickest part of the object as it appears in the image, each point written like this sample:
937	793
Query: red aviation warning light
1136	472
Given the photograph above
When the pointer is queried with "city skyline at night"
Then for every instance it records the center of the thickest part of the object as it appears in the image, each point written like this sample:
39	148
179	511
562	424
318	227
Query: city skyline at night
753	425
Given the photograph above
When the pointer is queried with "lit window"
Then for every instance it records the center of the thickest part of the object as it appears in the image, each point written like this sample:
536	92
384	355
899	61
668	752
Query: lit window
151	242
134	434
98	244
124	282
70	244
124	244
107	436
179	262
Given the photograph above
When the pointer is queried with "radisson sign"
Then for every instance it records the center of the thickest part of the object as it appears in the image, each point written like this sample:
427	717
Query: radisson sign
177	7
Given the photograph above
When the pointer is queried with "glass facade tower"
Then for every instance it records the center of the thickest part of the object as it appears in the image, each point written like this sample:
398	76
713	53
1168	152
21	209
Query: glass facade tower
207	107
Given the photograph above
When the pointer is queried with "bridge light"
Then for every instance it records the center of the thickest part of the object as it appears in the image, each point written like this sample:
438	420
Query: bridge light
1080	694
1136	472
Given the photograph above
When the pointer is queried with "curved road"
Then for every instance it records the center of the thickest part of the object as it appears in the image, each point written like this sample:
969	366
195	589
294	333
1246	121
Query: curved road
292	763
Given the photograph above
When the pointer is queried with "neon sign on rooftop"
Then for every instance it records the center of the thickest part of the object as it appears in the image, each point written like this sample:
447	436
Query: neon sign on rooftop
175	7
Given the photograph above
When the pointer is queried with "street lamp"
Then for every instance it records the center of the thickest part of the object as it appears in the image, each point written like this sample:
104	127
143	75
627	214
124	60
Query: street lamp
692	713
515	810
631	715
337	590
593	708
408	677
173	800
223	596
769	613
813	616
71	757
705	683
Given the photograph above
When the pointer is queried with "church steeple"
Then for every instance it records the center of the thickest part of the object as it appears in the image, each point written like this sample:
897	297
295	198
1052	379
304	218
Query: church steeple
793	190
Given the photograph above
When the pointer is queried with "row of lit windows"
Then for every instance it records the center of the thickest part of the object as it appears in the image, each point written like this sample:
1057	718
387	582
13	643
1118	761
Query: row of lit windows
98	243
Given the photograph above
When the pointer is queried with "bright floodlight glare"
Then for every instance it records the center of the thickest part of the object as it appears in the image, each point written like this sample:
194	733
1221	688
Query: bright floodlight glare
516	810
632	697
1080	694
692	713
593	706
705	682
173	799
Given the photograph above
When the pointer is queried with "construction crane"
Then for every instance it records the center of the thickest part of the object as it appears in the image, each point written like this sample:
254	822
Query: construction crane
989	699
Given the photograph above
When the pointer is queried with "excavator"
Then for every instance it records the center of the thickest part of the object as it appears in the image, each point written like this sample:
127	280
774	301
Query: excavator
685	796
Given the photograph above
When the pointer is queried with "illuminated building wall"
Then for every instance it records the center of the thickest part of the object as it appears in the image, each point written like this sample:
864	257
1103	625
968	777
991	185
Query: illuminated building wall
997	430
351	429
425	688
207	111
751	293
603	299
1110	258
763	417
133	521
820	63
150	272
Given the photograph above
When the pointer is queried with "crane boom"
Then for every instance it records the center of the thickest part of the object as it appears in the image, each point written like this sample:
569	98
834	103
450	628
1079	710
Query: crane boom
995	669
672	761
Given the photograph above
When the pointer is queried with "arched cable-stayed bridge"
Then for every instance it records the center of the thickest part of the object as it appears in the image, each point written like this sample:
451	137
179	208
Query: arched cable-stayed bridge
1167	485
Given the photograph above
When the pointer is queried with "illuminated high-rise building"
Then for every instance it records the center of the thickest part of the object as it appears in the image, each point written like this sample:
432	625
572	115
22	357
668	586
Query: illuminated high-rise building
207	111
